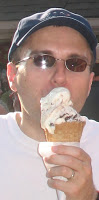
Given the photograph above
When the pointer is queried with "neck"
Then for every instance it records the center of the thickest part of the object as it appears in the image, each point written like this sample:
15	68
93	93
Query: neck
30	127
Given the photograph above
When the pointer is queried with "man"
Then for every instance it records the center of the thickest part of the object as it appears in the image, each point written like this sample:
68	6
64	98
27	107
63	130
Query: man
55	48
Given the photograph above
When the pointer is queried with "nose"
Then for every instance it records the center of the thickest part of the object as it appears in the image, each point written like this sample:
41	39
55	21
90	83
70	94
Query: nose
59	75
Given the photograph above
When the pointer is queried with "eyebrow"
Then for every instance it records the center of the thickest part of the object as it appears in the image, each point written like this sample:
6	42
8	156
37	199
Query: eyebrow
79	56
72	55
41	52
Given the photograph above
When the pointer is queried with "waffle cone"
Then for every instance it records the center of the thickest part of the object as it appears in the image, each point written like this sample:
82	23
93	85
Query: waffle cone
66	132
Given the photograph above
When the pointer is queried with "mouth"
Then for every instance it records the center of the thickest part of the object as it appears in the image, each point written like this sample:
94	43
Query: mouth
46	92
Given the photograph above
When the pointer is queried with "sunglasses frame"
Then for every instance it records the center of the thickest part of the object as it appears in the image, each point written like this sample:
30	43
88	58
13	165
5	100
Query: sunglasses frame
56	59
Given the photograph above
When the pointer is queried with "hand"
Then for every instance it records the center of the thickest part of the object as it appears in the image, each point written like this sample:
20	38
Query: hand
71	161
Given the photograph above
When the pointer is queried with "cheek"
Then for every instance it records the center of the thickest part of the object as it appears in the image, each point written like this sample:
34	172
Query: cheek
32	85
80	90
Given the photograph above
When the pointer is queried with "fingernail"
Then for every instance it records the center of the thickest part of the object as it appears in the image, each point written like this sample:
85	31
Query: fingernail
45	159
54	148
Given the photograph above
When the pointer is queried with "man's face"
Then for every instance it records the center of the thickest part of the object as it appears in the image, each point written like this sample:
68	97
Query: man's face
32	82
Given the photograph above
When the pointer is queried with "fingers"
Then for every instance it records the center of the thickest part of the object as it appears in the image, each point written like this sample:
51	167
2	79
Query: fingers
67	159
57	184
71	150
74	189
70	162
76	160
60	171
77	187
75	165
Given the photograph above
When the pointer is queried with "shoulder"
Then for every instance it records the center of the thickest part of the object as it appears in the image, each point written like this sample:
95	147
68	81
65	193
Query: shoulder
90	131
7	124
92	123
7	118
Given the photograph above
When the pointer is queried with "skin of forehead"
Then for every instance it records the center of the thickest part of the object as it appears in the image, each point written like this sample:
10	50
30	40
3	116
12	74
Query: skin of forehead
26	51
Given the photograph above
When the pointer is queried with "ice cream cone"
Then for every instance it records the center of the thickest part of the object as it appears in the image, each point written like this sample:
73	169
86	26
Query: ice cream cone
59	120
66	132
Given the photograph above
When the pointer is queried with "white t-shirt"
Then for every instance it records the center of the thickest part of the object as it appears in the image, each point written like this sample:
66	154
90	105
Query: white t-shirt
22	172
90	143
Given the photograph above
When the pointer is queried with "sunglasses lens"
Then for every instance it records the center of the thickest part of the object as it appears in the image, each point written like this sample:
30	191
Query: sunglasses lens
76	64
44	61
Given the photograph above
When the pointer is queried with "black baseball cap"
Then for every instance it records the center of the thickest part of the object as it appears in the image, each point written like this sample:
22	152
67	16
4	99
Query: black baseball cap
52	16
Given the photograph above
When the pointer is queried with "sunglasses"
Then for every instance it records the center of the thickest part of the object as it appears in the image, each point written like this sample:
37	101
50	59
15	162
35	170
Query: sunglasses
47	61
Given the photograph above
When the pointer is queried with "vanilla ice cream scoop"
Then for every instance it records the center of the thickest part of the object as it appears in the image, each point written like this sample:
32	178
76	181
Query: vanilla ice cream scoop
56	108
57	97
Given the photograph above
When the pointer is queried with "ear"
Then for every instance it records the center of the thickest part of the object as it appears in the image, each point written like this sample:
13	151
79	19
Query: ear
90	82
11	73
